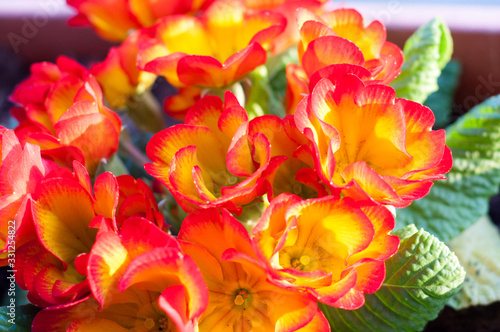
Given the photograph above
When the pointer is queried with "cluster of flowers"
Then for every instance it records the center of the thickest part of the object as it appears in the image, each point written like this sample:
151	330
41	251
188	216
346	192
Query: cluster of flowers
283	213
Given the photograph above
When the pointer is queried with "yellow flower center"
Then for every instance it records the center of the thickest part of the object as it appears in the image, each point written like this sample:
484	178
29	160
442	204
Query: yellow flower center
300	263
304	260
300	258
242	295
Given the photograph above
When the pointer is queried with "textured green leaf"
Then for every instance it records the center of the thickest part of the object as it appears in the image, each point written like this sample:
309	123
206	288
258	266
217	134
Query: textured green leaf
426	52
478	249
455	204
420	279
441	101
22	317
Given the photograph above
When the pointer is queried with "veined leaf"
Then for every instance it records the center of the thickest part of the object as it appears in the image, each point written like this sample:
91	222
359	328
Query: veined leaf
455	204
420	278
426	53
478	249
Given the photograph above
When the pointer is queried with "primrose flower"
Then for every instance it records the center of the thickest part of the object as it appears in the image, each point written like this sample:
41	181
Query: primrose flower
61	107
332	248
21	170
340	36
66	215
240	296
369	144
288	9
212	160
211	51
114	19
140	280
136	200
118	74
292	175
338	41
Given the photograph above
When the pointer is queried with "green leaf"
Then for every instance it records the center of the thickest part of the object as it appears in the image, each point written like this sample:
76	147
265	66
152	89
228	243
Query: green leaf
22	316
114	165
276	65
420	278
441	101
455	204
426	53
478	249
262	99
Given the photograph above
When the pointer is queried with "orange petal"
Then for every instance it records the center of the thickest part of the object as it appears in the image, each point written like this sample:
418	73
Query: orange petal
318	324
367	181
106	264
106	194
209	72
62	213
329	50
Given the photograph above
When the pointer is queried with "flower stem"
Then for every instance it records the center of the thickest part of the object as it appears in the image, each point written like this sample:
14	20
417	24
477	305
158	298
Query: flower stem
135	154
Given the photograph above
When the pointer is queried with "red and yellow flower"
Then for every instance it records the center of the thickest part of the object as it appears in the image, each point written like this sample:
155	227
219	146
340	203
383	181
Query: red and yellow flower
118	74
136	200
332	248
290	36
340	38
21	171
139	279
240	296
62	110
66	215
213	50
212	160
114	19
369	144
288	143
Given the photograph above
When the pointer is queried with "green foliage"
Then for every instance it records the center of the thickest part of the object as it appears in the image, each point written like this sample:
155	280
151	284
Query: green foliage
426	53
276	66
420	278
114	165
263	99
455	204
268	83
441	101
